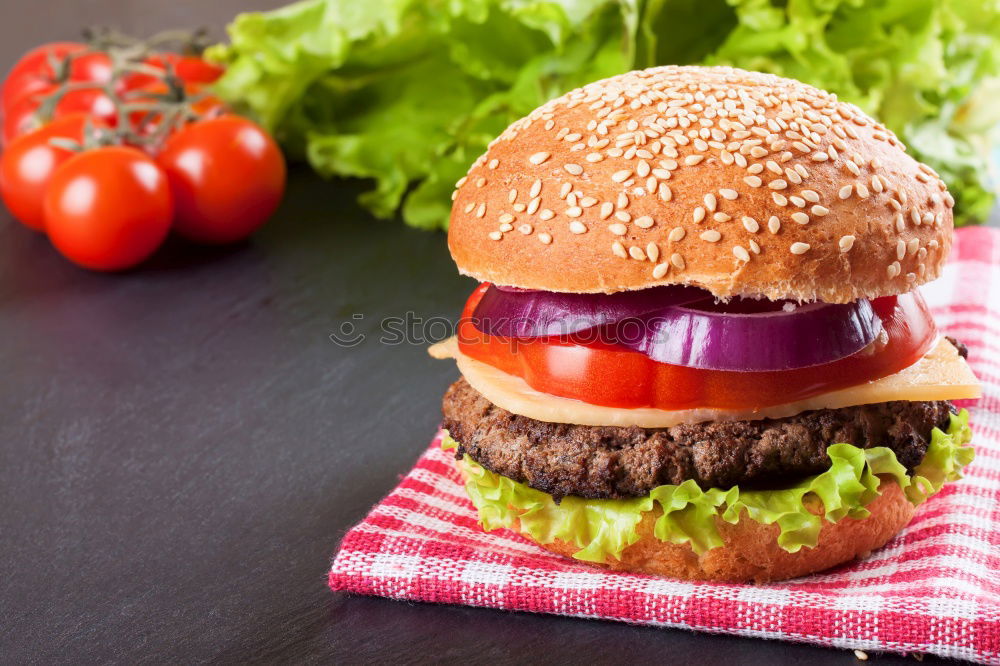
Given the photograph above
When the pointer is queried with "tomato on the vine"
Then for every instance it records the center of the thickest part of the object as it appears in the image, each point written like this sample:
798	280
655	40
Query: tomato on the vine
601	372
227	176
199	103
24	115
187	68
27	165
108	209
34	73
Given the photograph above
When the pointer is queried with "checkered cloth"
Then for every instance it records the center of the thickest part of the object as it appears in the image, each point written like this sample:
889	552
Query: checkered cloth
934	588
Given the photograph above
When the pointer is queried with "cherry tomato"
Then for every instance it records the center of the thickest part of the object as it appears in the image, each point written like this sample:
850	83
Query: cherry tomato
108	209
189	69
33	73
604	373
227	176
144	123
23	116
27	165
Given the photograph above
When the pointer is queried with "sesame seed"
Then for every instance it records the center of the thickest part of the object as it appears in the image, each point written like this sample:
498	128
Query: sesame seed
677	261
546	214
800	217
819	211
861	655
538	158
660	270
861	190
819	157
493	163
710	202
621	176
753	181
533	205
845	191
622	200
755	168
692	160
915	217
606	209
644	222
545	238
565	190
846	243
900	222
928	217
741	253
721	217
587	202
594	157
774	224
778	184
623	216
469	206
495	235
619	250
536	188
912	246
798	202
461	181
577	227
893	269
799	248
773	167
636	253
652	252
754	247
779	199
666	194
525	229
506	226
480	182
726	157
710	235
852	167
900	249
728	194
676	234
618	229
699	214
751	225
758	152
506	218
811	196
574	211
574	169
481	211
642	169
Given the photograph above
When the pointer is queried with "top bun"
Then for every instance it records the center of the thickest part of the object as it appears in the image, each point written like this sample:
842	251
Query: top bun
741	183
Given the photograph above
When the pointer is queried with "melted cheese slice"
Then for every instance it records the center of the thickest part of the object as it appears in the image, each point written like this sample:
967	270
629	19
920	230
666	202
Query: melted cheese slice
940	375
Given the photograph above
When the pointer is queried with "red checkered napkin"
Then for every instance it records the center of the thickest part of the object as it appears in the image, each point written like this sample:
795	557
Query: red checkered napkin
934	588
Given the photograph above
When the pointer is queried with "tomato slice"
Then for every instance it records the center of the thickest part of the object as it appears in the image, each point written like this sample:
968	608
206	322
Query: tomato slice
604	373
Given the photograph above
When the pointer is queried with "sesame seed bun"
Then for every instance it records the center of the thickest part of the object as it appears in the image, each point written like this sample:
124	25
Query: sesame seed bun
737	182
751	552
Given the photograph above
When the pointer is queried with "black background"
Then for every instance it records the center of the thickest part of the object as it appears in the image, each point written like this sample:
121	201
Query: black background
182	447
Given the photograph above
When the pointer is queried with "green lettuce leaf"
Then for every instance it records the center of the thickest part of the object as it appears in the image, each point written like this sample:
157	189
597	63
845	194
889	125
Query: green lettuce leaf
604	528
408	93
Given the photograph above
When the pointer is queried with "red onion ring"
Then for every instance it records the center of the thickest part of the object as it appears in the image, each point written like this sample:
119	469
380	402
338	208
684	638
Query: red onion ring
520	313
752	336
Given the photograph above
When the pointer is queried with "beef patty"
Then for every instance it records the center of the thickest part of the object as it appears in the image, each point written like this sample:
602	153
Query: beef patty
614	462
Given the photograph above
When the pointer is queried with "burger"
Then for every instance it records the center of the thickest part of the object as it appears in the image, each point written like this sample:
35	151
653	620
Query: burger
697	348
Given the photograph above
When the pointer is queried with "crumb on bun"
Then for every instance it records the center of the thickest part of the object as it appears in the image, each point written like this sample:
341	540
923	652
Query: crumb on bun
737	182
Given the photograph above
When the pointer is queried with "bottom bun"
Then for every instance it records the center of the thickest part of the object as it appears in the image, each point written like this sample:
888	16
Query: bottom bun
751	552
